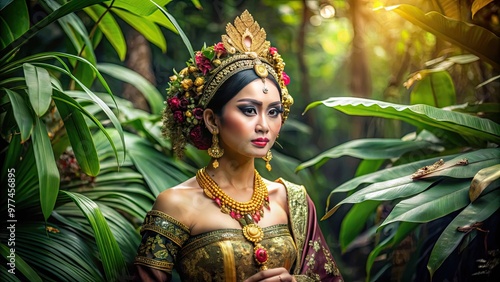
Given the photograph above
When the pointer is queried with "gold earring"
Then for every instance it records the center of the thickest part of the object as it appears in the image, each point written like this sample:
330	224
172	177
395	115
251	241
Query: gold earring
215	151
268	158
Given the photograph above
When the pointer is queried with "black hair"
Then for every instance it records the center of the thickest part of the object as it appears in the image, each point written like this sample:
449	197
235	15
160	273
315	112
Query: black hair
232	86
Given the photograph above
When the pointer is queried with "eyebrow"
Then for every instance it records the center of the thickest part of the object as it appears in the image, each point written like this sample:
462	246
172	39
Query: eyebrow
257	102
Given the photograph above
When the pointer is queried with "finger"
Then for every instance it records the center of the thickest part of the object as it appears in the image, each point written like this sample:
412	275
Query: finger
268	275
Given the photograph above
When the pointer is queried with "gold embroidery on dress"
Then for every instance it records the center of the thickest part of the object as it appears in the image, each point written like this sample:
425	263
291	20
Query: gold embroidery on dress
162	237
297	203
203	259
330	265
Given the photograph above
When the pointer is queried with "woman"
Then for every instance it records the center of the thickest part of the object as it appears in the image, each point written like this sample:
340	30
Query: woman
227	223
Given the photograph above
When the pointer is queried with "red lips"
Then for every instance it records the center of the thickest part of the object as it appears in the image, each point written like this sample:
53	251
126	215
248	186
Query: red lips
260	142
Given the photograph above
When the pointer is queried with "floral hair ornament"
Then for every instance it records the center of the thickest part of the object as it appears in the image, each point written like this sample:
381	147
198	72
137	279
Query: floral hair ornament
243	47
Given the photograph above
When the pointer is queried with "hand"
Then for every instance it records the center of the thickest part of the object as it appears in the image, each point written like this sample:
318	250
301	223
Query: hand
272	275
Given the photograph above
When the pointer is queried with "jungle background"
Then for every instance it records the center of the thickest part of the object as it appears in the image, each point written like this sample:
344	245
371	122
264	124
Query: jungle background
394	131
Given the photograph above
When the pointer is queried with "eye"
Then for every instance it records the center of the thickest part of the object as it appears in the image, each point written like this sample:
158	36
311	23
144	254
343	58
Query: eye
274	112
249	111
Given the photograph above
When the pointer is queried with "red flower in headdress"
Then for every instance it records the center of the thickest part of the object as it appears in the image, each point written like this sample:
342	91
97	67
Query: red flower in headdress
178	116
199	139
286	78
174	103
202	62
219	49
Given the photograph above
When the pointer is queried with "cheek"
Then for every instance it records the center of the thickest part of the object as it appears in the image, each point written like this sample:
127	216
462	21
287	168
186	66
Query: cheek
275	125
235	125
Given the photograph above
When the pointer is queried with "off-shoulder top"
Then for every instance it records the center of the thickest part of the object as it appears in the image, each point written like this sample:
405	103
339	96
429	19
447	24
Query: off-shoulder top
221	255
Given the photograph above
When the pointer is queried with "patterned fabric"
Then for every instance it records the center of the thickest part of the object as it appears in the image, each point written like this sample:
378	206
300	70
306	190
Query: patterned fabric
162	236
225	255
316	261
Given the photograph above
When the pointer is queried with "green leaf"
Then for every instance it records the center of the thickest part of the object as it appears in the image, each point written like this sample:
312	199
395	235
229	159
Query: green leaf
144	26
183	36
22	114
368	166
19	263
368	149
450	238
158	171
159	18
482	180
77	33
152	95
15	21
48	175
39	88
434	89
114	120
351	227
50	255
440	200
473	38
139	7
394	238
11	159
109	251
78	133
442	123
67	8
109	27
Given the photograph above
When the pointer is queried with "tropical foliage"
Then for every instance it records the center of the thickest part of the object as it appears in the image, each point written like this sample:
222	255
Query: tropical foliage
80	184
438	184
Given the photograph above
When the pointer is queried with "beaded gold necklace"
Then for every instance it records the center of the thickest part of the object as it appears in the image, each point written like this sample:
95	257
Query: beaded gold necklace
248	214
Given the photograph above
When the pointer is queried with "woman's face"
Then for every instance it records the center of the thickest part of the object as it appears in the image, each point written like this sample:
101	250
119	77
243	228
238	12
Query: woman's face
251	120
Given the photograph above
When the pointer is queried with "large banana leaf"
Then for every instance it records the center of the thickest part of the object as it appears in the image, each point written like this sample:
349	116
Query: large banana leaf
450	238
444	198
369	149
446	124
400	184
473	38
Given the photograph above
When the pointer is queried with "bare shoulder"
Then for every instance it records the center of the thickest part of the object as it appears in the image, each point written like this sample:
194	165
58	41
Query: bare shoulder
176	201
277	192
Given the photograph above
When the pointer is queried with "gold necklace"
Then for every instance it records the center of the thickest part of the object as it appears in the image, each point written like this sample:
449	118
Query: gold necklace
248	214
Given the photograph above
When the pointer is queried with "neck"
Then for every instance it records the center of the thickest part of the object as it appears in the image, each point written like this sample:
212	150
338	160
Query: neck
233	174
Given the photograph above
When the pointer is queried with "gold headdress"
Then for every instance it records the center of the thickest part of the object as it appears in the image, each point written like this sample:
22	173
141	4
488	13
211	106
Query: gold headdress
243	47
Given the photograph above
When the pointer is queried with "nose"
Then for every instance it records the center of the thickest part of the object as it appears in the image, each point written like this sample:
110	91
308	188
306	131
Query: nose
262	124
